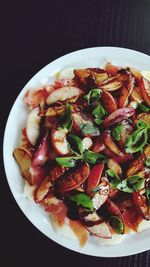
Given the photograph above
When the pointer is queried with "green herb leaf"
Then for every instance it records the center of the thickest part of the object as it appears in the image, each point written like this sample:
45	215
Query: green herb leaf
89	129
117	131
67	161
138	139
83	200
117	224
93	95
147	163
99	113
131	184
93	158
144	107
148	195
75	144
115	179
65	120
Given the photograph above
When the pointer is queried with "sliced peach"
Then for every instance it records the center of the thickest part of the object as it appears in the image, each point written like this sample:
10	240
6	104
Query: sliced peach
145	89
38	174
100	230
94	177
55	173
55	111
100	77
81	75
126	91
120	159
136	95
74	178
36	97
117	116
109	142
111	69
80	120
147	151
109	102
23	158
136	165
59	141
136	73
111	84
113	165
98	145
63	94
144	116
112	209
41	153
33	126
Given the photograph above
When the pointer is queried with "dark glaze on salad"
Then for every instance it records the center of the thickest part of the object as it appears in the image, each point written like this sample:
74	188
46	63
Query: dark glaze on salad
86	150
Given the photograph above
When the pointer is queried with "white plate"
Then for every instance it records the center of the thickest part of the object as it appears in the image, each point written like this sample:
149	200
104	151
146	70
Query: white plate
90	57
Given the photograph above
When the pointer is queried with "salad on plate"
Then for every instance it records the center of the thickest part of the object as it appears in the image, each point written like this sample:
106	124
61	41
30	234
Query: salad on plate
85	154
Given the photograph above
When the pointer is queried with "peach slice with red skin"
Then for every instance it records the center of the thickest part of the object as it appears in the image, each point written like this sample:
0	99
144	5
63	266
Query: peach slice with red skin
109	142
59	141
54	174
94	177
109	102
117	116
41	153
23	158
63	94
126	91
73	179
113	165
33	126
98	145
145	89
111	69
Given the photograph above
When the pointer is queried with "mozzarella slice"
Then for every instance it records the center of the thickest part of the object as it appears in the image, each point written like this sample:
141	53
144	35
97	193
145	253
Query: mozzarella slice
146	74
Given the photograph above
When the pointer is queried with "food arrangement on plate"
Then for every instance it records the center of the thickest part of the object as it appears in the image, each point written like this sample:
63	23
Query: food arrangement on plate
85	152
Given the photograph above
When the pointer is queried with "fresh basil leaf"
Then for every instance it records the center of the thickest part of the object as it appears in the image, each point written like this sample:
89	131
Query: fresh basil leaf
137	140
89	129
99	113
83	200
117	224
67	161
148	195
123	186
147	163
131	184
117	132
144	107
141	125
93	158
136	182
93	95
65	120
115	179
75	144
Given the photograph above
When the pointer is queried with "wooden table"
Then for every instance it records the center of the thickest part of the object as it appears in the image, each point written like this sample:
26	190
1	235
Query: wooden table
33	35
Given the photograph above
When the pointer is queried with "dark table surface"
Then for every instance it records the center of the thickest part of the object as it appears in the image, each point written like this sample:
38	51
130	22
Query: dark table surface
33	34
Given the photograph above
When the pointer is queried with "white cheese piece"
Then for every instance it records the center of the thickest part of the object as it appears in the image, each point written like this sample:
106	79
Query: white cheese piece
143	226
146	74
115	239
28	191
65	230
65	74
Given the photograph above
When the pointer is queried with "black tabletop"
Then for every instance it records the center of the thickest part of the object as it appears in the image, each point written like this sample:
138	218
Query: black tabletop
34	33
